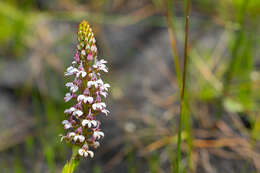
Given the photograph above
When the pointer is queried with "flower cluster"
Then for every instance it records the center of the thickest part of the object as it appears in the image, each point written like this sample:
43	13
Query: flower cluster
86	92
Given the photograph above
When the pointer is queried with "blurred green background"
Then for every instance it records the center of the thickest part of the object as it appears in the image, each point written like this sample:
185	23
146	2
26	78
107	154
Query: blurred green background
139	39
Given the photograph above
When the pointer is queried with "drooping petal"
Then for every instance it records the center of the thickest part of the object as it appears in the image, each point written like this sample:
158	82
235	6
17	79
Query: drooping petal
90	153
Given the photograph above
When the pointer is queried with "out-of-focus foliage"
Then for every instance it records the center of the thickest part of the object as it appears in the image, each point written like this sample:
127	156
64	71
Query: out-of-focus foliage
15	25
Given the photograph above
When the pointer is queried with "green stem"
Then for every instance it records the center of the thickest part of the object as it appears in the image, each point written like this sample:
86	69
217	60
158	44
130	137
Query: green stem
73	163
182	105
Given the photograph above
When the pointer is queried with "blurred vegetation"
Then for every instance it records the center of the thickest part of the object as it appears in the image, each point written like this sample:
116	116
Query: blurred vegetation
223	86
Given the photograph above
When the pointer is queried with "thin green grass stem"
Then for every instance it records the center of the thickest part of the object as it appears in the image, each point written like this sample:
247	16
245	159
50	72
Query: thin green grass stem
182	105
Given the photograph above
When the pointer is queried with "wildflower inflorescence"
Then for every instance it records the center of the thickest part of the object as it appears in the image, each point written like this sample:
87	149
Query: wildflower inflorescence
86	91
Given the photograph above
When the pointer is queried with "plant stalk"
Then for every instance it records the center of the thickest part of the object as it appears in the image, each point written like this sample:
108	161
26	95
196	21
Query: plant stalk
73	163
182	105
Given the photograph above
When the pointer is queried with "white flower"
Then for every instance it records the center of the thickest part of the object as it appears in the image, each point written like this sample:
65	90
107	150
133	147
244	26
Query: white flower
90	83
99	106
100	65
102	61
67	97
82	152
98	134
70	71
81	71
81	138
103	93
105	111
89	123
85	99
85	153
74	111
67	126
105	87
70	110
65	122
73	87
98	83
77	112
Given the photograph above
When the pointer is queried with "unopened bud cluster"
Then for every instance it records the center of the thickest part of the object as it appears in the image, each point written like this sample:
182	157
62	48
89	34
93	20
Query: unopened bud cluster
86	92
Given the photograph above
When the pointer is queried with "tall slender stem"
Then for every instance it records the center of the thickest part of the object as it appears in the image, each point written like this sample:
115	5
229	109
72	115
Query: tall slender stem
187	15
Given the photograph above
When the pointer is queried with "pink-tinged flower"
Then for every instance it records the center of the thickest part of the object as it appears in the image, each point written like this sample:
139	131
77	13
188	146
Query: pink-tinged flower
100	65
90	57
103	93
81	72
99	83
73	87
70	110
76	57
73	111
71	71
66	124
71	134
68	96
83	129
92	83
105	87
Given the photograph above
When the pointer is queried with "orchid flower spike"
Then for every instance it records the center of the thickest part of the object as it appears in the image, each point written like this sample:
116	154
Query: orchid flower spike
87	90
